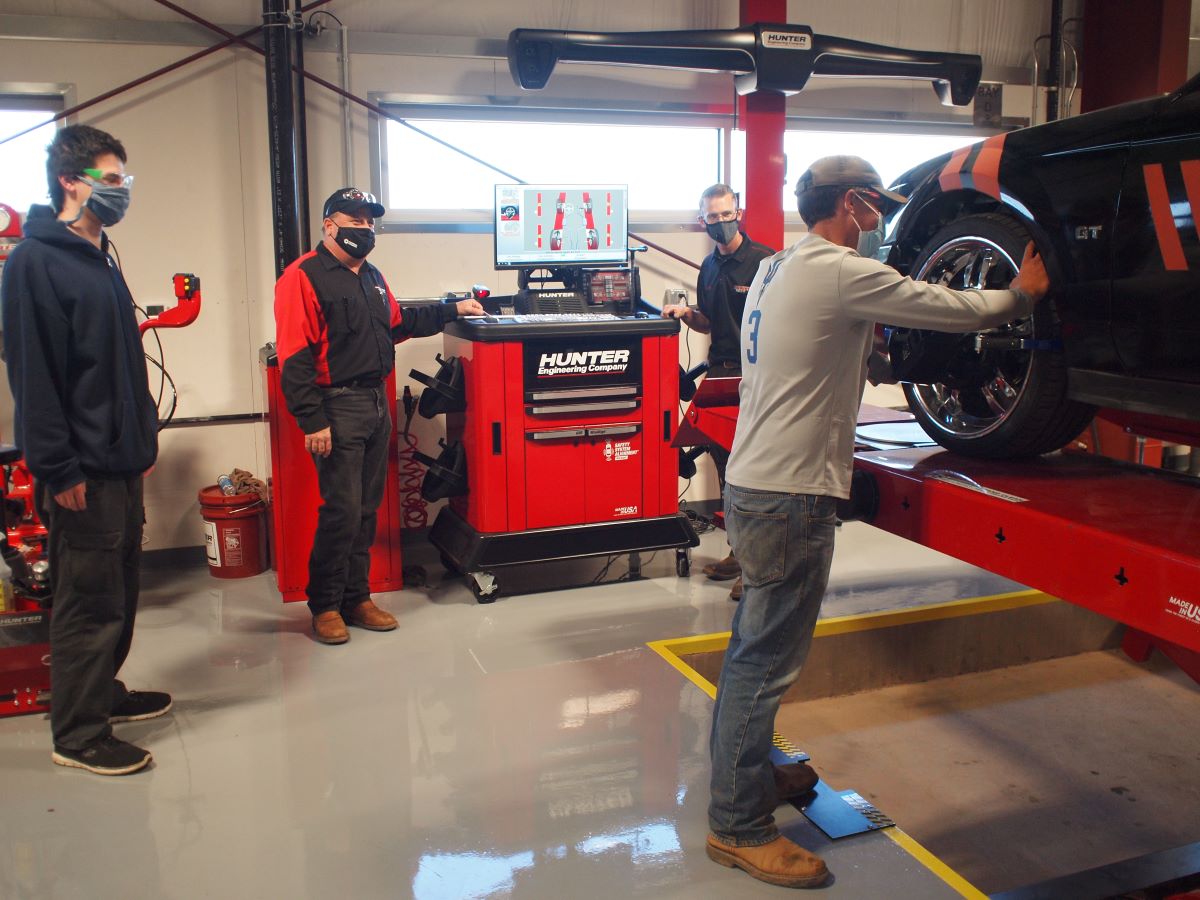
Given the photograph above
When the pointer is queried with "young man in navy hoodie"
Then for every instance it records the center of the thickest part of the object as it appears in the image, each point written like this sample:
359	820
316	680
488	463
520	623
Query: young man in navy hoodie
88	428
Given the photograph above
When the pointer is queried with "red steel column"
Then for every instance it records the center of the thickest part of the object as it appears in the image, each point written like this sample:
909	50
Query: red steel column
1132	50
763	119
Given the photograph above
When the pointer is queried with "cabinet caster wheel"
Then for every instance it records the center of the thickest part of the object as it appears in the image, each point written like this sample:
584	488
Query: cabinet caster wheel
683	563
484	586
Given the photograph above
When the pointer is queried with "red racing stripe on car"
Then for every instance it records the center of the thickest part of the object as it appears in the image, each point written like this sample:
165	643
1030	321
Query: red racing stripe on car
951	177
1191	181
986	171
1169	244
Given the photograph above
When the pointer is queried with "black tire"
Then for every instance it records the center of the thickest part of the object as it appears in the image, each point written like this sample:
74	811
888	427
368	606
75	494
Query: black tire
683	565
994	403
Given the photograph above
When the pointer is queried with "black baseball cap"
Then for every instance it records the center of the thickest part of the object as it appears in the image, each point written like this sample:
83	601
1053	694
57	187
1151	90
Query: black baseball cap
845	171
350	199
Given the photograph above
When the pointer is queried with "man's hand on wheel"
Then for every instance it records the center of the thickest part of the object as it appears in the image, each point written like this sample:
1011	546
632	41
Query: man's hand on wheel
1032	279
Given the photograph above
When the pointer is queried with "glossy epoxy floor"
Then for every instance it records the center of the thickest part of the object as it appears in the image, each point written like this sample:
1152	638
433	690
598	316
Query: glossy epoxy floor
531	748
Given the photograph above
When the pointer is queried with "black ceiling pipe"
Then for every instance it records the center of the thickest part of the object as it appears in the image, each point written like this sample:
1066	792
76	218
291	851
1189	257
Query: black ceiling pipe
301	131
281	133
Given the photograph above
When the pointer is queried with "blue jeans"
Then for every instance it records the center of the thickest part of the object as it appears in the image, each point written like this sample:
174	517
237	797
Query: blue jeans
784	543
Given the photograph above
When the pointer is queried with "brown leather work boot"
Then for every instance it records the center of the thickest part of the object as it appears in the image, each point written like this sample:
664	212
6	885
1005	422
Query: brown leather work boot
369	616
725	569
735	592
328	627
780	862
794	780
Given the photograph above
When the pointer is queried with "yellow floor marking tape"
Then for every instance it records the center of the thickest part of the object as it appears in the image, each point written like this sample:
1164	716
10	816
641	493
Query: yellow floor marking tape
673	650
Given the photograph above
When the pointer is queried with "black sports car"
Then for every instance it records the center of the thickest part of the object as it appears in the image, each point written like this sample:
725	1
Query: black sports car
1109	198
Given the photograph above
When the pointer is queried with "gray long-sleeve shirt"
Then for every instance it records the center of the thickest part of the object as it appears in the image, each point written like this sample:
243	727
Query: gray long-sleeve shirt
806	335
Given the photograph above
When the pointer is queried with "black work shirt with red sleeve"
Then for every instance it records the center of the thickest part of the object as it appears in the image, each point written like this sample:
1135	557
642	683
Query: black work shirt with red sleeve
721	290
334	328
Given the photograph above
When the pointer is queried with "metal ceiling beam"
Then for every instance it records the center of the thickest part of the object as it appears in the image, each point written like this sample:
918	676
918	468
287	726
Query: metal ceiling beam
130	85
105	31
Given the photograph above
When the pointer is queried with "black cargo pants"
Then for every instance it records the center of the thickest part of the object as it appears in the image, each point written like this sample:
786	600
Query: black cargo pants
95	556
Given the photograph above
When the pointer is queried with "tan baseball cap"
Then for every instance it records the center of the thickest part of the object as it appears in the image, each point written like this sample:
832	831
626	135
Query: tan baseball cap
844	171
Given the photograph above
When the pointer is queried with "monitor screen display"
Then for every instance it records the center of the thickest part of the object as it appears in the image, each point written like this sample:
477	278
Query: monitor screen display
561	225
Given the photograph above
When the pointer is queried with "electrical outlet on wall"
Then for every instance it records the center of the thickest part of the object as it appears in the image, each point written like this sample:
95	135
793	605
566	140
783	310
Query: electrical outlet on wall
677	296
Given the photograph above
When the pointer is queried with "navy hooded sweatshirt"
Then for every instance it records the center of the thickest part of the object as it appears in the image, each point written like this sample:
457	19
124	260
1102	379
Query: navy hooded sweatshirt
75	360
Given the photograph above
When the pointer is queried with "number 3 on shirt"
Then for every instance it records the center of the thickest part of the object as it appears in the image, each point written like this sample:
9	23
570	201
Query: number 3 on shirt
752	351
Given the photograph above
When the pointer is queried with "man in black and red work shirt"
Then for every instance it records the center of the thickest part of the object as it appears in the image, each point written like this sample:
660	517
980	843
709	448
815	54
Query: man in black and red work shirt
336	323
721	288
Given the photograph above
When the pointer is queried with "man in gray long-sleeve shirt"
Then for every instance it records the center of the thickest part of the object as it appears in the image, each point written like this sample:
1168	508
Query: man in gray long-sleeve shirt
807	333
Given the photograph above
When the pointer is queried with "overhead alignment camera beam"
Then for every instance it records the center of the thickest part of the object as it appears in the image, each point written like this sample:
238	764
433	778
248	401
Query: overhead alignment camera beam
765	57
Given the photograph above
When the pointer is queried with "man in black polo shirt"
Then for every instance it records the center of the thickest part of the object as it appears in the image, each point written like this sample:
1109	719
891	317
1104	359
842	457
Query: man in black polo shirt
336	322
725	278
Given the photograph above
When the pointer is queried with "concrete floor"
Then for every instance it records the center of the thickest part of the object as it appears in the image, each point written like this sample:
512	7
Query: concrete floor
530	748
1020	775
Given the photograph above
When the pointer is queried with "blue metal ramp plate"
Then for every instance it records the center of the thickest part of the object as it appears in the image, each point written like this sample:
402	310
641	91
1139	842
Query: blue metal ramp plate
837	813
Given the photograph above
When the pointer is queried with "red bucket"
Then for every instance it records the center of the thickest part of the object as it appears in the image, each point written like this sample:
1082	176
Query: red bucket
235	528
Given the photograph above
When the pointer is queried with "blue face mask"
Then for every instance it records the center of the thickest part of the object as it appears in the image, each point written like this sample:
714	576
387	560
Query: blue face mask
869	242
107	203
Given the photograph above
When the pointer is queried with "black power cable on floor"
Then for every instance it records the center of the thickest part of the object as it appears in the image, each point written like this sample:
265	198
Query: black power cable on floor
700	524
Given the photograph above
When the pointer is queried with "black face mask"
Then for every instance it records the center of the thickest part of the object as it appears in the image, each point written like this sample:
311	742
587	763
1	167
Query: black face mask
723	232
358	242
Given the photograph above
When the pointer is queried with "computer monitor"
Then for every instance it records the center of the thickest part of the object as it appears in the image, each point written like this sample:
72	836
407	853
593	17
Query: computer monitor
561	225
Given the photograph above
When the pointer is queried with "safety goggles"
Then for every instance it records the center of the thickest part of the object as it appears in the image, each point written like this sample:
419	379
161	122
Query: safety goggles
714	218
109	179
873	207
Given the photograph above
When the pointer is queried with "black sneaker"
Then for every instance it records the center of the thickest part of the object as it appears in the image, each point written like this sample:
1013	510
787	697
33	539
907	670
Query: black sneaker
110	756
139	705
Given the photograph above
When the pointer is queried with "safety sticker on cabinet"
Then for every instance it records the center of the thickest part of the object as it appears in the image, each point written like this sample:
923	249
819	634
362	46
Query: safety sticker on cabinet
617	451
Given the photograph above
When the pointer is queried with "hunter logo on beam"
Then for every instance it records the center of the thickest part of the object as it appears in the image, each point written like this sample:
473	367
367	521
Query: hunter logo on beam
787	40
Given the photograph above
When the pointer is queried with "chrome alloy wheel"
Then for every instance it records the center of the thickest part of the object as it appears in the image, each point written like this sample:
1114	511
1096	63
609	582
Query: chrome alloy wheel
983	383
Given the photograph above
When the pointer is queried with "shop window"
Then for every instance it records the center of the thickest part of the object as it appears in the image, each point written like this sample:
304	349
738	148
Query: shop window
23	159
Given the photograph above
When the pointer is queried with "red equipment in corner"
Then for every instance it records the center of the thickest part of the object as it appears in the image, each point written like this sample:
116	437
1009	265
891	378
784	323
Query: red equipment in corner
10	232
24	627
